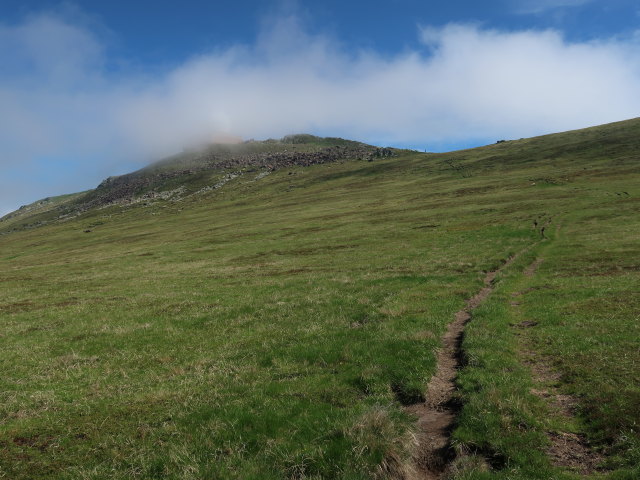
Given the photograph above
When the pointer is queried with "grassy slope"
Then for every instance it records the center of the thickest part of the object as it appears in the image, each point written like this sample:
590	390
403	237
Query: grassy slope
181	174
33	214
584	302
273	328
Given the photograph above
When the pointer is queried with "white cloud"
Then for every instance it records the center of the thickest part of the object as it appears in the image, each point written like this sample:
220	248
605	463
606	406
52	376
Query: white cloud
460	83
473	83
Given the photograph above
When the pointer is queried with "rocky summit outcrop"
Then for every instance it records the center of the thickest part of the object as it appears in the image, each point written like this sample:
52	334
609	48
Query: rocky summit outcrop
126	187
197	171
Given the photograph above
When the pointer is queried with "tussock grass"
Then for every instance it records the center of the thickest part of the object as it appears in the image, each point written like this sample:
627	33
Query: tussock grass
275	328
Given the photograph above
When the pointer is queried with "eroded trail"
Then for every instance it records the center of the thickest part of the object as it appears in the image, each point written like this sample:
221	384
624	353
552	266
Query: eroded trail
567	449
436	416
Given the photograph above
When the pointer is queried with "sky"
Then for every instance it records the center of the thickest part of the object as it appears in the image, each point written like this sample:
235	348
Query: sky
90	89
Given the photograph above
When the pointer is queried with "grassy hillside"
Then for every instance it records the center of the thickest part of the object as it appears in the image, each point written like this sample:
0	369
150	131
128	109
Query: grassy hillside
192	172
273	321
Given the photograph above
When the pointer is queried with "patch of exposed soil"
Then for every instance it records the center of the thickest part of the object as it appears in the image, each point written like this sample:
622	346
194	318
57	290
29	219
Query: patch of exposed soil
531	269
527	324
572	451
436	416
531	289
16	307
567	450
41	443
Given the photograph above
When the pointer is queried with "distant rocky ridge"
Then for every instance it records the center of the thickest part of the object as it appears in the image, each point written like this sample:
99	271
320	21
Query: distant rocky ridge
114	189
184	174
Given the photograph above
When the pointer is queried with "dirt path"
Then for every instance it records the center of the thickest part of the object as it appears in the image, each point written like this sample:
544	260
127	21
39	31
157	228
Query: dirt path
533	268
567	450
437	415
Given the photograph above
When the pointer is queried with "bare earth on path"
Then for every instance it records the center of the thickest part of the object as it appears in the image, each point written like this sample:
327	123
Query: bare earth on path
567	450
437	415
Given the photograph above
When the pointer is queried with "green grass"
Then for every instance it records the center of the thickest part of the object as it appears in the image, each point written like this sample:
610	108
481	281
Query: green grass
584	301
274	328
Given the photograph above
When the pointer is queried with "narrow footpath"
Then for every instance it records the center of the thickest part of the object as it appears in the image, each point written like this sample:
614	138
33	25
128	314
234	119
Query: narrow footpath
436	417
567	450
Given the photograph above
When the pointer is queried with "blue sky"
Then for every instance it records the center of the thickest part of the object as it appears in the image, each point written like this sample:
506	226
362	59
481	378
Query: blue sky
91	88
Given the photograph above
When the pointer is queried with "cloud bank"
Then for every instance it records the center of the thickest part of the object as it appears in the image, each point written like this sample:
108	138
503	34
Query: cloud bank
460	83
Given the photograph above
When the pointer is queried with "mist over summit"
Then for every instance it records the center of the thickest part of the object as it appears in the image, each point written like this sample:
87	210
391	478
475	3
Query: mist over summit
455	84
